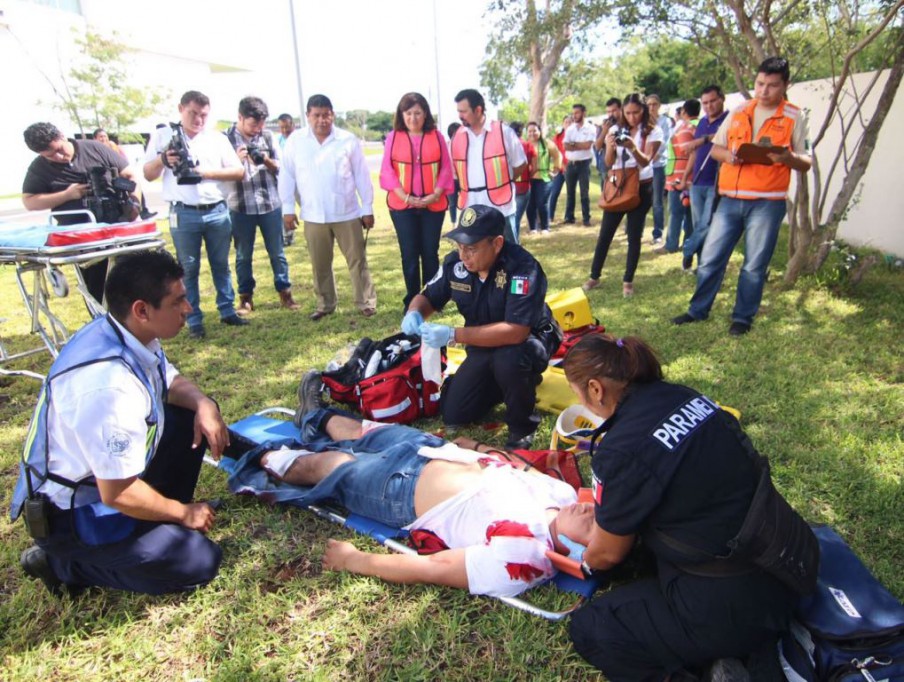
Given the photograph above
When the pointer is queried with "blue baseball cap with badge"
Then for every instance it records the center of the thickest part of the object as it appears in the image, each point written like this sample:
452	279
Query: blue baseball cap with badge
476	223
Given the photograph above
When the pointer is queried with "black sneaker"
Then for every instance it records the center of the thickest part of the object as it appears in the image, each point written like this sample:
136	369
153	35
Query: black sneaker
234	321
738	328
196	331
684	318
35	564
522	443
309	395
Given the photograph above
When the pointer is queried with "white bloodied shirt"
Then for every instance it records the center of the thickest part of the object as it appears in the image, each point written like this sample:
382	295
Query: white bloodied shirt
96	419
501	522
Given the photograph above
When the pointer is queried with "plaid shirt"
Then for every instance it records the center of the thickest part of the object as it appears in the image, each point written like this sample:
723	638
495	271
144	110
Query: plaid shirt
257	193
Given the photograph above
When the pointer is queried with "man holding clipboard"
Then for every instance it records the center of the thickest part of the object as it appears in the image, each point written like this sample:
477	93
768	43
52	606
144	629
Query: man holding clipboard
758	146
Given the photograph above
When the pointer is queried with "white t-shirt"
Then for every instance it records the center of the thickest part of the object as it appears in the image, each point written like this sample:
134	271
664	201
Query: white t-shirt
514	152
582	133
502	524
211	149
646	173
96	419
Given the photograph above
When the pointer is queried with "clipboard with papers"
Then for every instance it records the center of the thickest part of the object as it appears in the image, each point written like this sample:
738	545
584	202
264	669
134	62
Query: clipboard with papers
757	153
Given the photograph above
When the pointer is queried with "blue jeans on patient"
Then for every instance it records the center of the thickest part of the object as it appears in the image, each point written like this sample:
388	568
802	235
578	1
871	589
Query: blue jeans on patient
215	230
244	230
759	221
380	483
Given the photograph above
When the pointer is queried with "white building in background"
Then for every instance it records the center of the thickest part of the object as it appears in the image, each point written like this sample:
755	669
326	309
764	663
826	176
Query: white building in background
171	50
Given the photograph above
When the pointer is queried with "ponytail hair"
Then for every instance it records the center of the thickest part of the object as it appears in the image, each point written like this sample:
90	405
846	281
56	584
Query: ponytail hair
602	356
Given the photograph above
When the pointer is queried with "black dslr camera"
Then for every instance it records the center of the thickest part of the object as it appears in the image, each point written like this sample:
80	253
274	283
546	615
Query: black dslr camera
184	170
109	200
256	154
622	135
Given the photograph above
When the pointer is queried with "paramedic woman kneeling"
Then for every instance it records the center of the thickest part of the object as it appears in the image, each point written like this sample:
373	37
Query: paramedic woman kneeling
675	475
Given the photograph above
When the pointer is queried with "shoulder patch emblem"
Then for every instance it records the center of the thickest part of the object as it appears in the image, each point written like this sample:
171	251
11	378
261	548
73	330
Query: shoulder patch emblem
520	285
118	443
460	270
436	278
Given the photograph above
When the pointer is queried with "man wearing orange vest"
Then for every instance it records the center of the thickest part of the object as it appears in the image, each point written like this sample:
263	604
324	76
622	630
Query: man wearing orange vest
751	193
486	157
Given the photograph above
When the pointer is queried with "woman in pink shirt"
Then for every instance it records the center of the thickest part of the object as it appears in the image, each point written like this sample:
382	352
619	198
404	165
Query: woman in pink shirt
417	175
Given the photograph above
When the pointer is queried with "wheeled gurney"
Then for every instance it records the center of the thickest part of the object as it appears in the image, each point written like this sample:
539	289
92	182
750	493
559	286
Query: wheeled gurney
269	425
41	250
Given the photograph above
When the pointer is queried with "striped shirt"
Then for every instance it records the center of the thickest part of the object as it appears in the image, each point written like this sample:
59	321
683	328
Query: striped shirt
257	193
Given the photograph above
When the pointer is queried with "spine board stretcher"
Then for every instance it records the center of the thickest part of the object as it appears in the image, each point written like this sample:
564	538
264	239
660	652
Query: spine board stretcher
263	426
41	250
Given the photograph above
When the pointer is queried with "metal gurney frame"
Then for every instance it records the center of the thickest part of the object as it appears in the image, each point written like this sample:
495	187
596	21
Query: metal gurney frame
263	424
44	262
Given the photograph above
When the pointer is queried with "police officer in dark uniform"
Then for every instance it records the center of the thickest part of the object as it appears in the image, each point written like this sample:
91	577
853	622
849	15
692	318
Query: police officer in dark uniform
509	330
675	472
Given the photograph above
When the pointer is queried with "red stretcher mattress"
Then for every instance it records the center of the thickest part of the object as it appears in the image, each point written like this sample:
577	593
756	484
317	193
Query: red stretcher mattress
97	233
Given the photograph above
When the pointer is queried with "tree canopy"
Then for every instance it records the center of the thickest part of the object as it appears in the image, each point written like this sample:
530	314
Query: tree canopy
99	92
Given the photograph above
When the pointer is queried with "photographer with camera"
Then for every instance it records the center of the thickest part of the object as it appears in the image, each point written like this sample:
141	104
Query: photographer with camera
194	162
613	118
254	202
60	179
631	145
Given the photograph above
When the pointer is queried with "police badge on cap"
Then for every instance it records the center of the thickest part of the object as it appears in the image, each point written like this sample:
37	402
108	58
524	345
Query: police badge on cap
476	223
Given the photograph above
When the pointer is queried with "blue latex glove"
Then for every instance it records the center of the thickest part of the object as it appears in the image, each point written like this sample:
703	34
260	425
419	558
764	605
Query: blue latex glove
575	549
436	335
412	322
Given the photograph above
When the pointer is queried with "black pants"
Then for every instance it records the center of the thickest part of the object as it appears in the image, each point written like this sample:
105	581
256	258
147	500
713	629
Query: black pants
95	277
652	628
157	558
577	176
610	223
488	376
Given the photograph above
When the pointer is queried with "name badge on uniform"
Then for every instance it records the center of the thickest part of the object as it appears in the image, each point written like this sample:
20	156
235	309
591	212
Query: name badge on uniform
458	286
675	428
520	285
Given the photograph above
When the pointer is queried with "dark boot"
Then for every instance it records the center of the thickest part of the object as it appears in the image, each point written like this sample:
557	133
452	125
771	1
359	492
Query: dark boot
286	300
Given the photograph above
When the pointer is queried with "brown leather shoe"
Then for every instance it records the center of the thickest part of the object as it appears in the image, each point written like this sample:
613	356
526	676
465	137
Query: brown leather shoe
369	312
286	300
246	304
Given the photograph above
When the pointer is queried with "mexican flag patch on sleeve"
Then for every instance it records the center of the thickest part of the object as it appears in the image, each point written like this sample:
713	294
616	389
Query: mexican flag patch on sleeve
520	285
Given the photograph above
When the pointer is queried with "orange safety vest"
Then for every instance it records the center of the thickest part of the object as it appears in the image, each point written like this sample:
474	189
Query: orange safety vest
402	157
756	180
496	170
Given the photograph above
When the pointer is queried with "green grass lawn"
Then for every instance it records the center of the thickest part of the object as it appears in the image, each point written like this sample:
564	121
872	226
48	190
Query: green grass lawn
818	381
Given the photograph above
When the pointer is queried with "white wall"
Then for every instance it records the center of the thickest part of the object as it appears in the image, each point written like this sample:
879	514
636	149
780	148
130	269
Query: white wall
875	218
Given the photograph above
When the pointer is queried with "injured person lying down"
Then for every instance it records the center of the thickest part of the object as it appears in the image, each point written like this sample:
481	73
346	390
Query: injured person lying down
478	523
